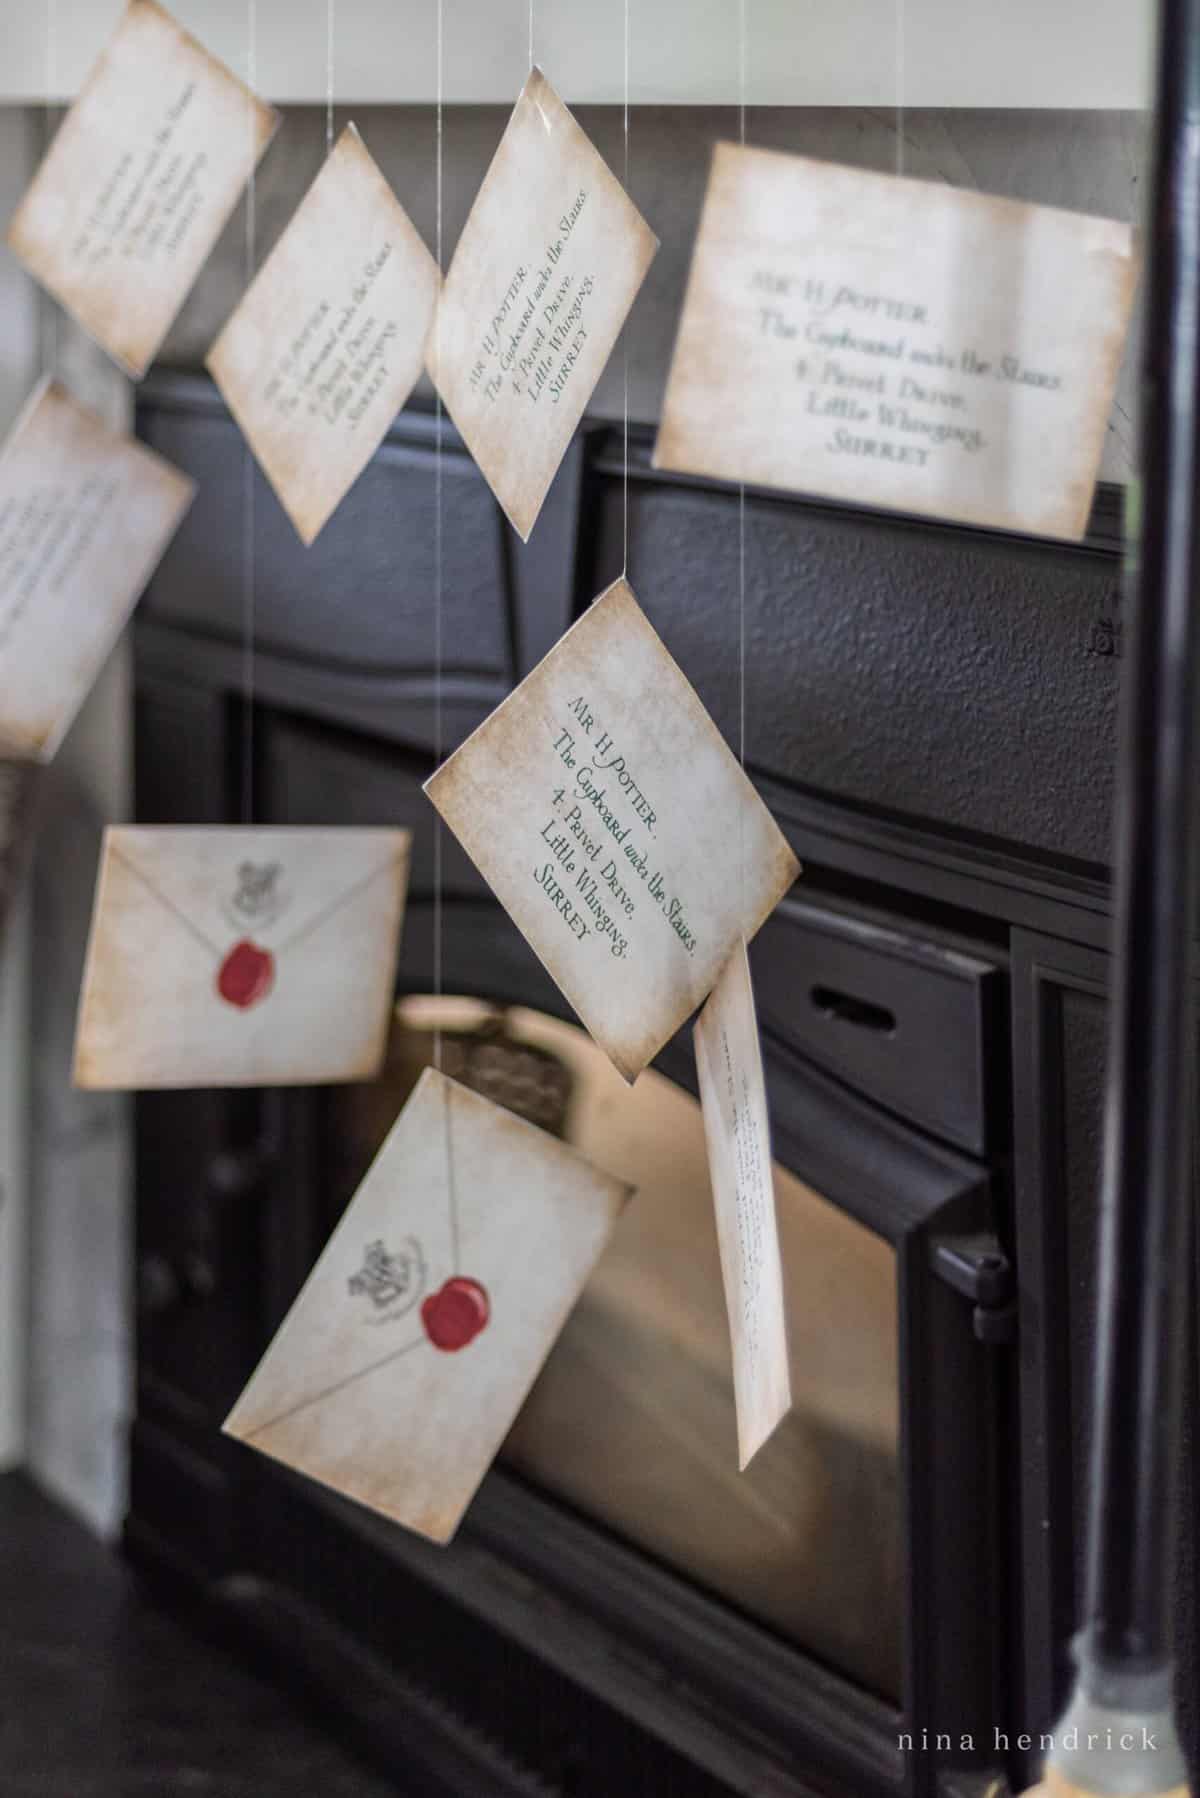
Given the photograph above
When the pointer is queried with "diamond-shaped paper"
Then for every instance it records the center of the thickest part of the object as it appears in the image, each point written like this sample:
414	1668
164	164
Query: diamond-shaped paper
546	270
328	342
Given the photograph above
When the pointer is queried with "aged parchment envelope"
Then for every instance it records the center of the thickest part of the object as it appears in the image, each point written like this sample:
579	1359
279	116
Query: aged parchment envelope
85	514
328	342
602	806
399	1369
240	956
897	343
733	1096
136	187
546	270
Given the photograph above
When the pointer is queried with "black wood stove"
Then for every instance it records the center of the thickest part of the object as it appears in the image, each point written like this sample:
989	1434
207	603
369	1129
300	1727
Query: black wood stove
931	717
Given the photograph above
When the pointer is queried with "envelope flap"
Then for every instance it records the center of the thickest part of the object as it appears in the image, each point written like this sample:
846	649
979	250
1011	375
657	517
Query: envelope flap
462	1193
274	886
358	1307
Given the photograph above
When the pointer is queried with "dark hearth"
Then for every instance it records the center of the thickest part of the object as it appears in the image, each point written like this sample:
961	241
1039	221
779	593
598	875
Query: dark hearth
107	1693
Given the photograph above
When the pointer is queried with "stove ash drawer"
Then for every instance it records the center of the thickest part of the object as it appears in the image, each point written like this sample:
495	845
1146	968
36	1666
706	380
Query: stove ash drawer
906	1021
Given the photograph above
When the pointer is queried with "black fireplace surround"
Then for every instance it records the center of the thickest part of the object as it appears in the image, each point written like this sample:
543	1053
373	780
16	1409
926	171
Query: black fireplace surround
931	718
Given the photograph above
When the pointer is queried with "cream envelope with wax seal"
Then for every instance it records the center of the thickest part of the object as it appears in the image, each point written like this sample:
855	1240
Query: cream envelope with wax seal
240	956
85	514
605	810
329	340
139	182
400	1368
547	268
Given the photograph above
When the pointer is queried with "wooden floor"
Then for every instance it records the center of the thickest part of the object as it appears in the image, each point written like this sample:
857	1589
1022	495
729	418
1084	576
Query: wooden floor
104	1694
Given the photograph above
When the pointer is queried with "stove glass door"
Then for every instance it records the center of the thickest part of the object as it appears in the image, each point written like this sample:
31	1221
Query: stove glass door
632	1419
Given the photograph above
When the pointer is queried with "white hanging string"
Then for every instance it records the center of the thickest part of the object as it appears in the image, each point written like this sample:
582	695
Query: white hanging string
49	305
899	87
625	334
438	651
329	31
742	29
248	457
438	745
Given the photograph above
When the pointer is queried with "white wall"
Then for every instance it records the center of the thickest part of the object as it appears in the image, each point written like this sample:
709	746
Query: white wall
14	1192
78	1347
64	1157
1027	53
18	369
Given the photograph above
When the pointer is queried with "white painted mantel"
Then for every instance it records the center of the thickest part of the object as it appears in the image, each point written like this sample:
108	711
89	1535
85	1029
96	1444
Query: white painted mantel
1092	54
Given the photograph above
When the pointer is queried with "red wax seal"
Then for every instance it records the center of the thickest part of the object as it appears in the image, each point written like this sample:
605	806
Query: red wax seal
455	1315
246	975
